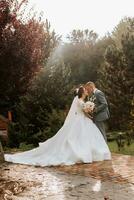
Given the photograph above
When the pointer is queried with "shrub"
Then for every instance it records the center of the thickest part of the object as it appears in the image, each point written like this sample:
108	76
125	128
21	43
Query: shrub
14	135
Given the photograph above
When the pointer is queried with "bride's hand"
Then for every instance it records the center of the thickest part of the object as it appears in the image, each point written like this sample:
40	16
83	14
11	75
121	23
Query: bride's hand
88	115
87	110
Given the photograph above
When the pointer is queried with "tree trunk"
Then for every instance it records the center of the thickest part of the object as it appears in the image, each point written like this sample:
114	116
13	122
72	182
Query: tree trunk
1	154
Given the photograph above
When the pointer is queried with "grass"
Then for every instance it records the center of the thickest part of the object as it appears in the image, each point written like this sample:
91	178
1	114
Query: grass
126	150
23	147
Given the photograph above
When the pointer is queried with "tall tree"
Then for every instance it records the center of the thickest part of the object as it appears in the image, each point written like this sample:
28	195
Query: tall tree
84	55
120	30
25	45
117	79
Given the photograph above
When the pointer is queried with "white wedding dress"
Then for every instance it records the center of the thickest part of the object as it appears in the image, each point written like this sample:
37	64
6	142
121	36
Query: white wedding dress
78	140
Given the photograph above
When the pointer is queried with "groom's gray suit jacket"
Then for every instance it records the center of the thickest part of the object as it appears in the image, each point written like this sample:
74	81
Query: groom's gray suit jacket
101	111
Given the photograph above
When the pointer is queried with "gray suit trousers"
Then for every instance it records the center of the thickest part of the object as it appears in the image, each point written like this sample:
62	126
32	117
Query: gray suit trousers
101	127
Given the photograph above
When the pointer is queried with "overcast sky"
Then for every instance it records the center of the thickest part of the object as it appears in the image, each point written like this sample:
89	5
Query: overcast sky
98	15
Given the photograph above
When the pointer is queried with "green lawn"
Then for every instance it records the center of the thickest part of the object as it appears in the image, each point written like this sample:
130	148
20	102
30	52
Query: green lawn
23	147
127	150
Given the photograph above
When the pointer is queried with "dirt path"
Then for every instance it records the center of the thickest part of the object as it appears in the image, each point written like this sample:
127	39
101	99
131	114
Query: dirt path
102	180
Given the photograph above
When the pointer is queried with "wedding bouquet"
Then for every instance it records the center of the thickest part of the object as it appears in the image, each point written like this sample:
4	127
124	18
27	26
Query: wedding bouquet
89	105
88	109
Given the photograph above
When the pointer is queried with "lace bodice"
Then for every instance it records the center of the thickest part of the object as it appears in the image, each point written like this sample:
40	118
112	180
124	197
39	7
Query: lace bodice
80	105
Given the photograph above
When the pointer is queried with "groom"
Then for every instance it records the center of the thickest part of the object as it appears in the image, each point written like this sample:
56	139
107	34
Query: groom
101	111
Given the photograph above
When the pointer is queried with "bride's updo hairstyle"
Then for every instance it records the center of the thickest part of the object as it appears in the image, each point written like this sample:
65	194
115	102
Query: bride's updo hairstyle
80	91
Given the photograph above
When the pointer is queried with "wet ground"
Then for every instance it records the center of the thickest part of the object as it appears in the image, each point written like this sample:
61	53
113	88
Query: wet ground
108	180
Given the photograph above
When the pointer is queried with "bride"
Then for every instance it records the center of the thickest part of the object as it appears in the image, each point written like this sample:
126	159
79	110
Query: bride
78	141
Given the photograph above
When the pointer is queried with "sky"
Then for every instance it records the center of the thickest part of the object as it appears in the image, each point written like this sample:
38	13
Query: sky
98	15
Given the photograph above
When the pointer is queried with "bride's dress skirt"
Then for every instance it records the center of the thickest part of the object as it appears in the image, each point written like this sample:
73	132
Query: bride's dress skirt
76	142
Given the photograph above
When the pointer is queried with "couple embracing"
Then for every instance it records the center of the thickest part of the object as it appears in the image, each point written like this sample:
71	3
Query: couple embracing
81	139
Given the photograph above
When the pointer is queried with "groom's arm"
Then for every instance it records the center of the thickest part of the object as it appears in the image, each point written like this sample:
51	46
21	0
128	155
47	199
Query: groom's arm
102	102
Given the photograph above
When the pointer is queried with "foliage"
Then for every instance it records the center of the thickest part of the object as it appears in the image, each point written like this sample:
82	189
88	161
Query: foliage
122	138
55	121
25	147
127	150
84	55
25	44
117	80
22	147
120	30
43	103
14	135
86	37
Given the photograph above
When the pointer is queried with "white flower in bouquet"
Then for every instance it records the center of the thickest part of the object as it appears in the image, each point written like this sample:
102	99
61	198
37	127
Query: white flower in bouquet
89	106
